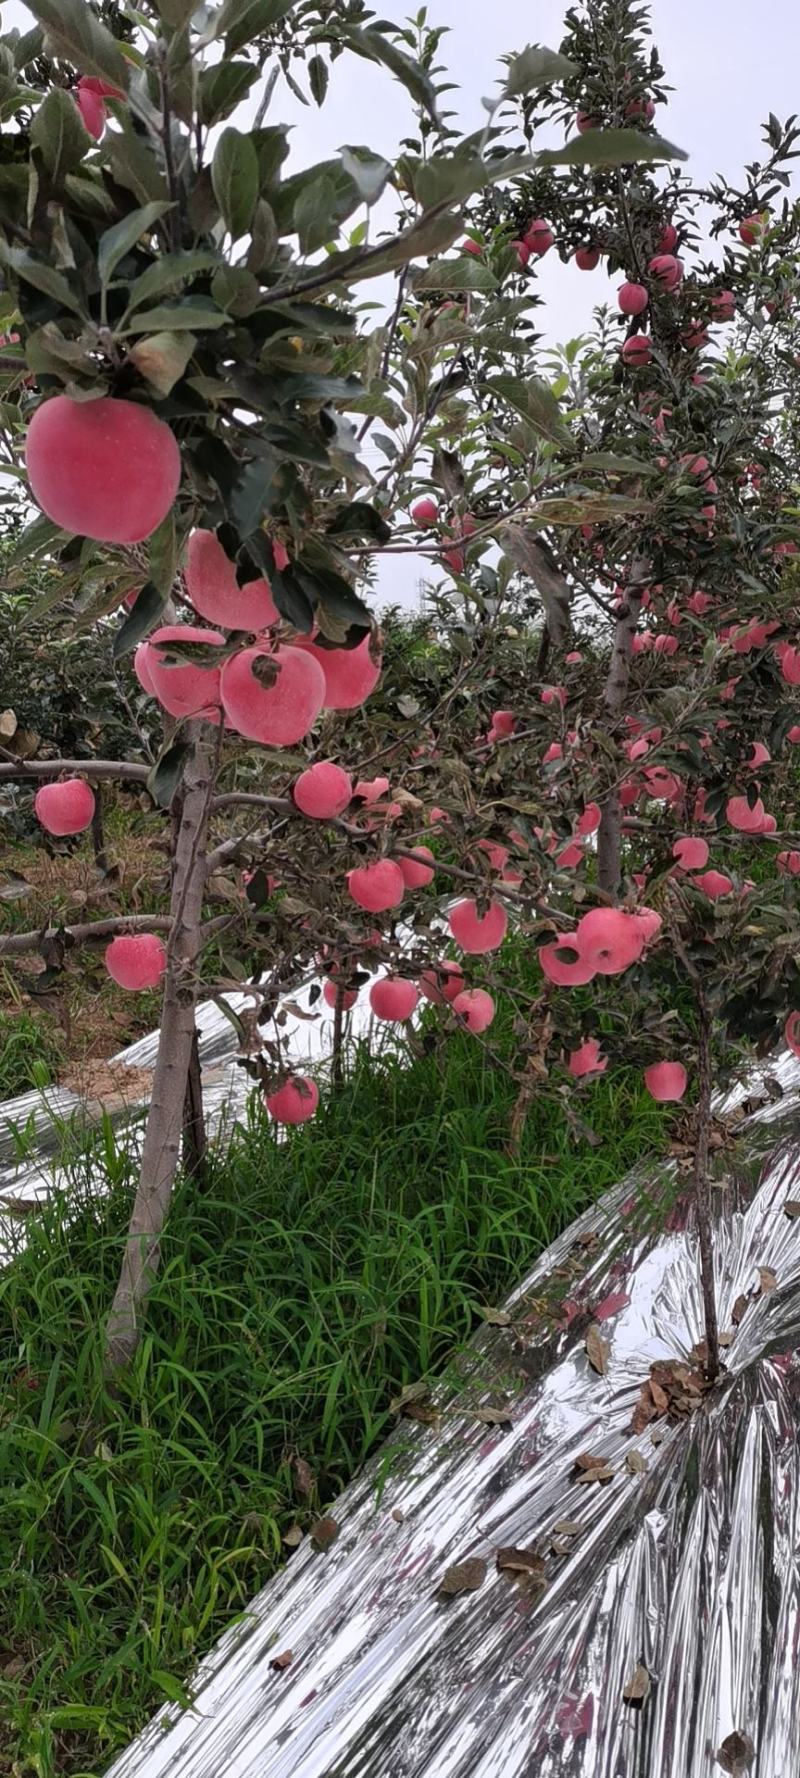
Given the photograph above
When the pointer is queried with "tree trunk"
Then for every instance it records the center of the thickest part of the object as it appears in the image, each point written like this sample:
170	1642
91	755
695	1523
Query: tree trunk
609	836
338	1034
98	832
165	1119
702	1190
194	1124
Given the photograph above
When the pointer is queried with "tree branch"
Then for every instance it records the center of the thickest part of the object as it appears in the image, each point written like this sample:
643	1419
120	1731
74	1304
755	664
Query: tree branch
17	943
85	768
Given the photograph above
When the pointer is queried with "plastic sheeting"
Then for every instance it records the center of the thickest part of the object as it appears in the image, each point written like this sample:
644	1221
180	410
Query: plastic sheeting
683	1564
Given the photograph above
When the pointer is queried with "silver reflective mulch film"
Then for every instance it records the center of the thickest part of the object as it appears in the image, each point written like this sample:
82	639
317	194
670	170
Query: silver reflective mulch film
489	1600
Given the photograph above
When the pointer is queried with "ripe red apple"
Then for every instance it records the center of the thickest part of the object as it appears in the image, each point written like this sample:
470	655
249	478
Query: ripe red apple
637	350
420	870
476	932
279	708
539	237
442	983
632	299
136	960
643	108
90	94
476	1008
751	229
323	791
393	999
425	511
584	122
522	251
587	258
65	808
215	592
666	270
470	246
377	886
186	688
103	469
295	1102
666	1081
668	239
350	674
723	305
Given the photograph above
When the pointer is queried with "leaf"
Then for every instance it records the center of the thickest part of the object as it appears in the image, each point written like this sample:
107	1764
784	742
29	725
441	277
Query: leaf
168	274
163	780
597	1351
172	1688
249	496
638	1686
611	465
610	148
162	556
280	1662
535	402
359	519
463	274
263	237
242	20
736	1754
77	35
768	1279
42	276
791	1208
48	352
162	359
293	1537
134	165
490	1416
377	48
739	1309
235	289
535	67
636	1463
318	76
611	1305
234	176
57	129
117	241
222	88
528	1564
193	312
495	1317
369	172
313	216
139	621
37	539
567	1528
324	1533
462	1577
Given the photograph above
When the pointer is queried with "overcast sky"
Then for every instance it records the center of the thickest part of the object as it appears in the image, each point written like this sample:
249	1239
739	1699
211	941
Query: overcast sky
730	63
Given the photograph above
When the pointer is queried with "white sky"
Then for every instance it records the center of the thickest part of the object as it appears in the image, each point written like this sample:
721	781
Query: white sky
730	63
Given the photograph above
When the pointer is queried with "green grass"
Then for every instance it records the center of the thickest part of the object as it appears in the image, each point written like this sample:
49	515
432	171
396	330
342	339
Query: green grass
296	1295
30	1053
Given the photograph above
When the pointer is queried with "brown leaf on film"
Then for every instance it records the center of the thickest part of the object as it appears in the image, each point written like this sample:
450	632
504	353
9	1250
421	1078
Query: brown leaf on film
567	1528
525	1564
736	1754
293	1537
597	1350
280	1662
660	1397
739	1309
593	1469
638	1686
644	1411
419	1391
492	1416
791	1209
462	1577
769	1279
636	1463
324	1533
495	1317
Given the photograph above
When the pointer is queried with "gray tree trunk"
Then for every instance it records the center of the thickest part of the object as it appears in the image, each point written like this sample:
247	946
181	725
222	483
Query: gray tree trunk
162	1141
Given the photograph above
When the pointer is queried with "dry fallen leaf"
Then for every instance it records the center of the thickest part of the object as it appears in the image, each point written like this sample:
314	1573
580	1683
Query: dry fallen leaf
495	1317
597	1350
492	1416
280	1662
636	1463
589	1238
644	1411
638	1686
769	1279
739	1309
528	1564
462	1577
726	1339
293	1537
660	1397
791	1209
593	1469
736	1754
303	1475
324	1533
567	1528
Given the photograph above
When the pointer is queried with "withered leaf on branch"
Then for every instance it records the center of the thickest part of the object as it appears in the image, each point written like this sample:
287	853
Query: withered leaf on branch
462	1577
638	1687
597	1350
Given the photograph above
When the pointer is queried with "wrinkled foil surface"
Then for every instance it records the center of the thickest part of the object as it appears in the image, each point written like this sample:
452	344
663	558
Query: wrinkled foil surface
687	1567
